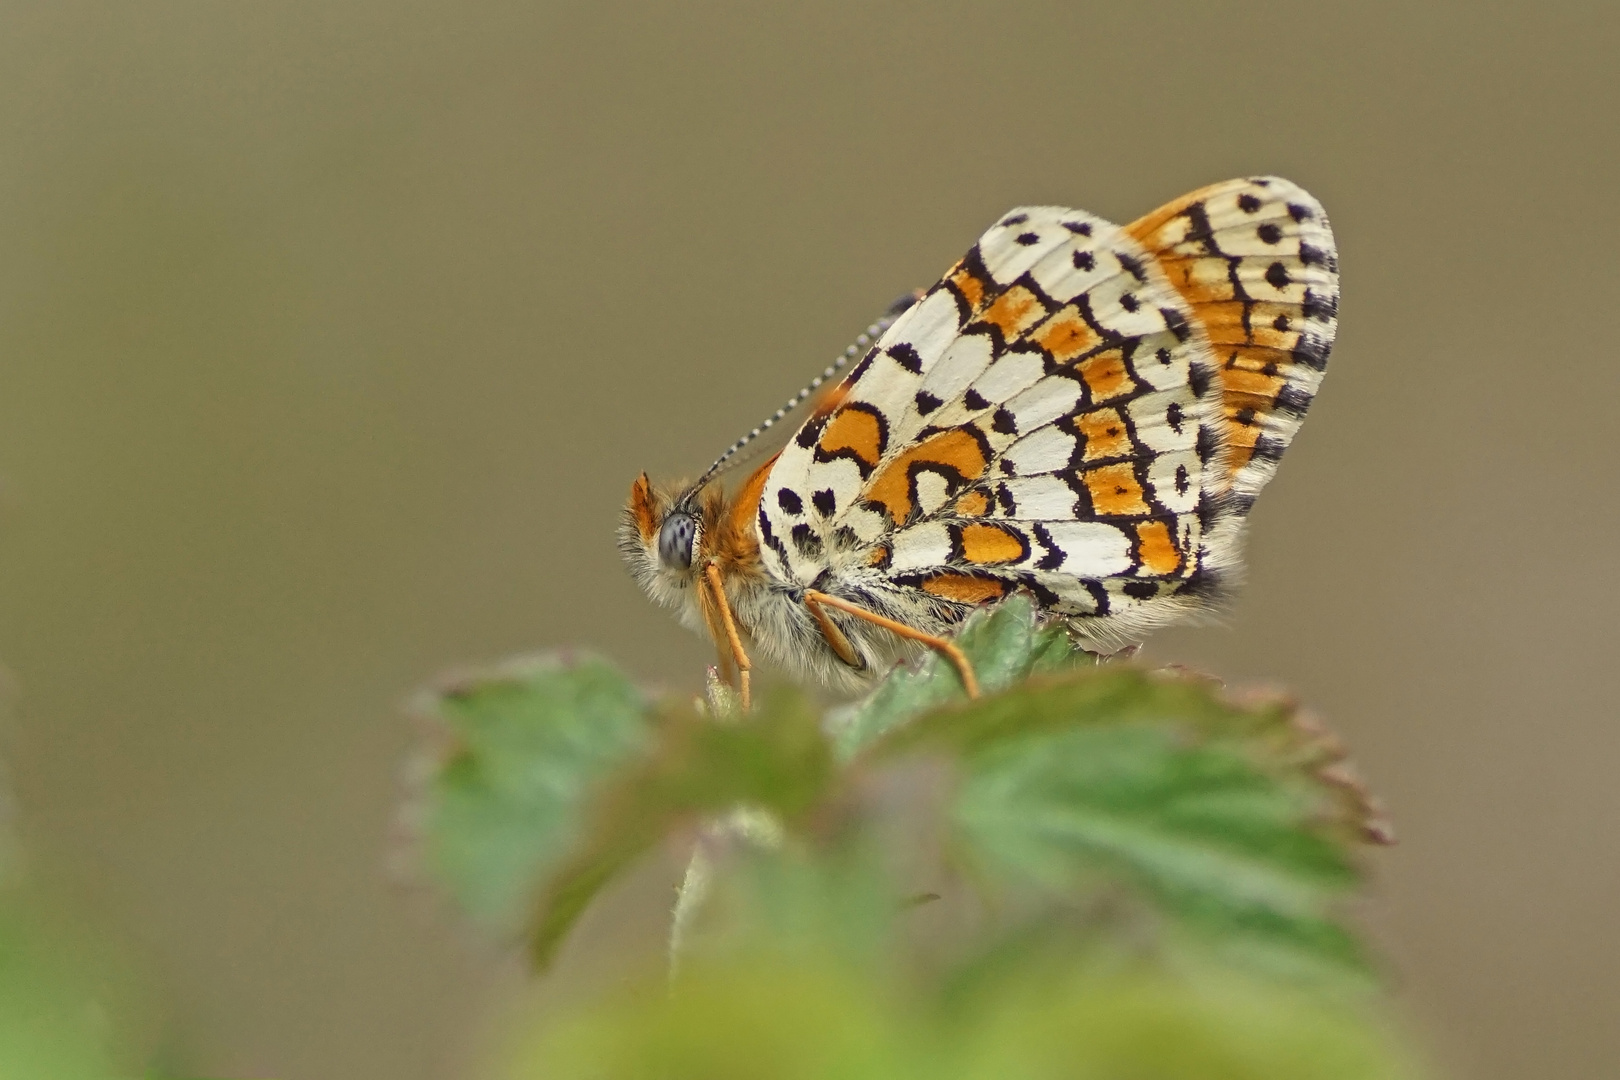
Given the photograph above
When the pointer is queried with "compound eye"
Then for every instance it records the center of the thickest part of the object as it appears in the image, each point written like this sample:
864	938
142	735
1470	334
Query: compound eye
675	541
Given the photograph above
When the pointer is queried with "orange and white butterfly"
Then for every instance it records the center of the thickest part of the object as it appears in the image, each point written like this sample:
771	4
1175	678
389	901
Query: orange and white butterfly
1079	410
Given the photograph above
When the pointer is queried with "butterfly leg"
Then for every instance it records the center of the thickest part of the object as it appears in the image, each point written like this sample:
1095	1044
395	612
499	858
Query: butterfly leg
944	646
834	636
738	654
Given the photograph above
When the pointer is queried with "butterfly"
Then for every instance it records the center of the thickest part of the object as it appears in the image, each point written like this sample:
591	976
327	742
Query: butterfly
1078	410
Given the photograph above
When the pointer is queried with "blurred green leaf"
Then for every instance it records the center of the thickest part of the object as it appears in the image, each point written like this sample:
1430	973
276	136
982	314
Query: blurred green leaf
1226	814
61	1015
789	900
776	760
1005	644
757	1018
752	1021
1213	1026
527	744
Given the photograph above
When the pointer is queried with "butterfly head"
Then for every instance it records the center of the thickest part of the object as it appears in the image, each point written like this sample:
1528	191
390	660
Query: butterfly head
667	535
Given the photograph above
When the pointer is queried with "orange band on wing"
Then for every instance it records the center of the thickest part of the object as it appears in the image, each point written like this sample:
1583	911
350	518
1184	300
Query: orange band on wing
965	589
1013	312
973	504
972	289
1066	335
957	454
1155	549
1105	374
1105	434
1114	491
856	431
987	544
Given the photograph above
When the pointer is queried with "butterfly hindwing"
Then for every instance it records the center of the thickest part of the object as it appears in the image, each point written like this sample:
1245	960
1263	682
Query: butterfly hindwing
1076	409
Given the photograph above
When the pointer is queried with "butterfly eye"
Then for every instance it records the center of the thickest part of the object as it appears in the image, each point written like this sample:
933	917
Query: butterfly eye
675	541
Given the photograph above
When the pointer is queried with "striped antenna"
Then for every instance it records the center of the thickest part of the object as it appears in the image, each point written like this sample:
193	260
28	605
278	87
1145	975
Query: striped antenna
860	345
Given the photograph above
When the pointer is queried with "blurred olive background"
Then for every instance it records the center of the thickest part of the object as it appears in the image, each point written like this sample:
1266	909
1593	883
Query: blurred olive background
332	333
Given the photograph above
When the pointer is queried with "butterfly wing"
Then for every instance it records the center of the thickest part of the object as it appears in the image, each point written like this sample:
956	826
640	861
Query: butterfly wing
1054	415
1255	261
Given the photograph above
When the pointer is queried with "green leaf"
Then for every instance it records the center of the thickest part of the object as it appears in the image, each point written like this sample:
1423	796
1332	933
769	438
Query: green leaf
757	1018
527	743
1220	812
1005	644
776	760
65	1004
759	1021
1213	1024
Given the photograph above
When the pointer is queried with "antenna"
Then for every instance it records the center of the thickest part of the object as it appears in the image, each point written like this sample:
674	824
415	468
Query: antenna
869	335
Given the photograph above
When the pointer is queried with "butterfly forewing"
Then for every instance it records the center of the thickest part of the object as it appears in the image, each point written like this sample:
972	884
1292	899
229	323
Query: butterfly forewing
1255	261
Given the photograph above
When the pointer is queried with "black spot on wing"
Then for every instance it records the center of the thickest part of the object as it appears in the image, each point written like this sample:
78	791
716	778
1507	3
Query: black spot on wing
906	356
1203	584
1312	351
769	537
1045	598
927	403
1199	230
1205	444
789	501
1248	203
1267	448
1053	559
1270	232
1277	276
1198	378
975	401
1132	266
1177	324
811	431
1293	400
1318	307
806	540
825	502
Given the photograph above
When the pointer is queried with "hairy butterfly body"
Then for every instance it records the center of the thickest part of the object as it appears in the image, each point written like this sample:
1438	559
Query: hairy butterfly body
1076	409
